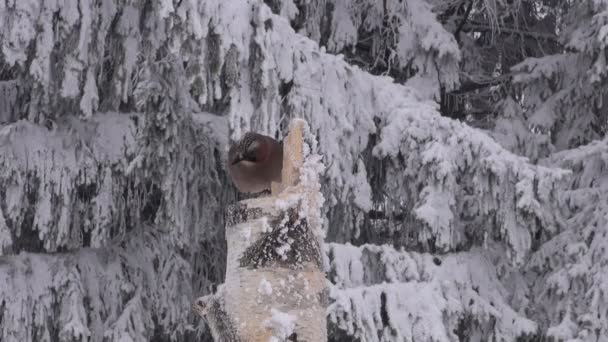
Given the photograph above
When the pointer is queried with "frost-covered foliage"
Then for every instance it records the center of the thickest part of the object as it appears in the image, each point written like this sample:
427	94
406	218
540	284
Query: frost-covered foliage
274	74
383	294
562	95
409	133
131	205
64	188
114	293
467	180
72	187
402	37
557	116
570	271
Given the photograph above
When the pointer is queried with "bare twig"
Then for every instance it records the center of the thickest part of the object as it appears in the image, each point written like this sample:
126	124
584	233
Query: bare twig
536	35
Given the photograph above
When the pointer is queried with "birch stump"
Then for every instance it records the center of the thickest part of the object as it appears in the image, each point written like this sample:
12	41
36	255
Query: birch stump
275	287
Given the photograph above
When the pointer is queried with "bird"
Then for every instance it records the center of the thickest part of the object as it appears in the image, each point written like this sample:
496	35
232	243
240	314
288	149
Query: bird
255	161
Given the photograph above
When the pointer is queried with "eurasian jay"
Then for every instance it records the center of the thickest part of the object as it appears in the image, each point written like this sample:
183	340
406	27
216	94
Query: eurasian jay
254	162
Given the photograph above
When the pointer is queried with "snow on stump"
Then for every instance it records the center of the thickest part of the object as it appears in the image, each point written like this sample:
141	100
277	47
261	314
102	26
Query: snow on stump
275	288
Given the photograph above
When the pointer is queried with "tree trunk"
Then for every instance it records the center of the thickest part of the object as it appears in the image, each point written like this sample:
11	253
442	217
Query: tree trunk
275	288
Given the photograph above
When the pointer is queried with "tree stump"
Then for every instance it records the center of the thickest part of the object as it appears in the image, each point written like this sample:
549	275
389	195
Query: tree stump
275	288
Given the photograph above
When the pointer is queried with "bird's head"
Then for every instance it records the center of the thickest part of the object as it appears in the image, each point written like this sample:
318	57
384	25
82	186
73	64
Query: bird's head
249	148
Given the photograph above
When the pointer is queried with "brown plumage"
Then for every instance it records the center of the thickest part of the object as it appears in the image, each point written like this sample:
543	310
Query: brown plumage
254	162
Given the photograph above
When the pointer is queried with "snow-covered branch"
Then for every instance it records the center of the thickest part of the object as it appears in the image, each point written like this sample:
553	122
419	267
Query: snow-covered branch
382	294
116	292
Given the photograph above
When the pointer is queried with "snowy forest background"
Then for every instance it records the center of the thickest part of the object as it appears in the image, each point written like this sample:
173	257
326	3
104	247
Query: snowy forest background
464	142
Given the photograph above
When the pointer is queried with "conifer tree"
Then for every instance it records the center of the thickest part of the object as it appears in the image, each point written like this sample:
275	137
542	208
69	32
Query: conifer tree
464	145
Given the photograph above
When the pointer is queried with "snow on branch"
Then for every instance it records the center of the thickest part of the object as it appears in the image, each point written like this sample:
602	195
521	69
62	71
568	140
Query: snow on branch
118	292
241	58
394	35
570	274
76	185
237	58
53	179
560	87
513	196
382	294
502	191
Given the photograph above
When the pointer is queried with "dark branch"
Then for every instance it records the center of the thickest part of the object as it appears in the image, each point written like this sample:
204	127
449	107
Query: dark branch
463	21
480	27
470	85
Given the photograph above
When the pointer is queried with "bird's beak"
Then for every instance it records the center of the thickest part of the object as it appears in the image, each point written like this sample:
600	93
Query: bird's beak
238	158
